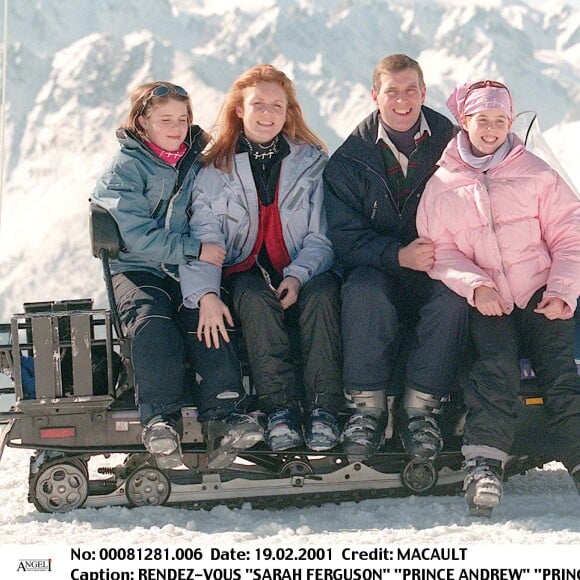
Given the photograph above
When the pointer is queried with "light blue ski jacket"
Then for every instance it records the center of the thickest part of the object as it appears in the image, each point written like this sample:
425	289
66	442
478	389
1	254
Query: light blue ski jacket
225	212
146	198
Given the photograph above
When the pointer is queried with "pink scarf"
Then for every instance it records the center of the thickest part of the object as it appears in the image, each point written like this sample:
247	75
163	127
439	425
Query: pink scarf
170	157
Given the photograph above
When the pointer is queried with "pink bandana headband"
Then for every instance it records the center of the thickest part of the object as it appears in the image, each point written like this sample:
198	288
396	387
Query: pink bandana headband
472	98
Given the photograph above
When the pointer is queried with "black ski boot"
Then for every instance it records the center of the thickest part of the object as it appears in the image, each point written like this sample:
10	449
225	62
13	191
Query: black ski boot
322	432
284	430
419	432
225	438
364	430
161	439
482	487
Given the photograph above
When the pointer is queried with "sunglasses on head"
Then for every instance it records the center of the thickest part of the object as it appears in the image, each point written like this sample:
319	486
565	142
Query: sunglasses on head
483	85
163	91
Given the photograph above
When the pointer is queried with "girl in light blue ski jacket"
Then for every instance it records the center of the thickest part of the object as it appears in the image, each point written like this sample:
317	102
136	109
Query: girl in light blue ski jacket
142	190
144	195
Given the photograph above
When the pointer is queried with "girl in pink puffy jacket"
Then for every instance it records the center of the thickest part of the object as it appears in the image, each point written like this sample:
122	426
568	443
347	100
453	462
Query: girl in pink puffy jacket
506	229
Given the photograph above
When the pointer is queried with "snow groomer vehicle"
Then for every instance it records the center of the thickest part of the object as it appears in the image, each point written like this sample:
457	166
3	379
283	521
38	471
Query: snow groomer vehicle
74	408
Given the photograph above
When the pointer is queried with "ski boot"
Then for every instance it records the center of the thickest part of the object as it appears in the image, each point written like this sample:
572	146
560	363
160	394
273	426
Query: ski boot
225	438
482	487
419	432
161	439
322	431
283	430
365	427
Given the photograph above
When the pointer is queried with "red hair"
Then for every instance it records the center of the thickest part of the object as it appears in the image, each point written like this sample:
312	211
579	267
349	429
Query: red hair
229	126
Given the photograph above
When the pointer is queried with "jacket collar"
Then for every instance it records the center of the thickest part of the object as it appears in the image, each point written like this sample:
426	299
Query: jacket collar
196	140
301	154
452	162
360	144
382	134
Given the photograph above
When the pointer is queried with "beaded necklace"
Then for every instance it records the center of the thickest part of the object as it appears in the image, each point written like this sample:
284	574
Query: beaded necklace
259	151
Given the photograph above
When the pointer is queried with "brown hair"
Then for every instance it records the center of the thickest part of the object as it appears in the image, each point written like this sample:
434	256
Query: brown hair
229	126
396	63
143	101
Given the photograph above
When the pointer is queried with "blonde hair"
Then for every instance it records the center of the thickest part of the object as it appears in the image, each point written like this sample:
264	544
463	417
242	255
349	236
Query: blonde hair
396	63
229	126
143	101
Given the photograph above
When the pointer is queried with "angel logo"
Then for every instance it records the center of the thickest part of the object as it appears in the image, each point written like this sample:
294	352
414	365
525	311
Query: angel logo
36	565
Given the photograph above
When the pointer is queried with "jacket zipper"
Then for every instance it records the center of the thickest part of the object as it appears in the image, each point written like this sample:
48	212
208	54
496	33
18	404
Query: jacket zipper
171	201
375	172
492	221
395	205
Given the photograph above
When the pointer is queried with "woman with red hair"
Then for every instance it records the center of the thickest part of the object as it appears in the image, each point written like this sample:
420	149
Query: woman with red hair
260	196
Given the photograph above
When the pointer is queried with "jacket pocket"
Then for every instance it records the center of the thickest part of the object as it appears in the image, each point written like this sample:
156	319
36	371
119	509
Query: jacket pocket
236	226
158	192
296	219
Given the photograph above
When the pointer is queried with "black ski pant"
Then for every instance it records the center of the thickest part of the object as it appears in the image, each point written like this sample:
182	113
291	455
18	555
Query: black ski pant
268	332
171	367
492	393
377	309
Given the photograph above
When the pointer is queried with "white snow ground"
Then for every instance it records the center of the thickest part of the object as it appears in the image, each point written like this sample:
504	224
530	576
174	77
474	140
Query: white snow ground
538	508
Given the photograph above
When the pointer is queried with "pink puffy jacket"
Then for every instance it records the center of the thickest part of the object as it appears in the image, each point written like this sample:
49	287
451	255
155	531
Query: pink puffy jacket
515	228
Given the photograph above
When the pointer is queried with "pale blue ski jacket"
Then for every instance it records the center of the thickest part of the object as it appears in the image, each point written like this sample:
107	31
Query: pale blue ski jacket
225	212
146	198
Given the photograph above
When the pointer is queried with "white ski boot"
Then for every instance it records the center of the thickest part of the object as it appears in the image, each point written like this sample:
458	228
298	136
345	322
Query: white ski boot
161	439
482	487
225	438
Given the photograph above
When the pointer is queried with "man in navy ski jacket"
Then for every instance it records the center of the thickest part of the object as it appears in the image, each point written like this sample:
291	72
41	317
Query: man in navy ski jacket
373	184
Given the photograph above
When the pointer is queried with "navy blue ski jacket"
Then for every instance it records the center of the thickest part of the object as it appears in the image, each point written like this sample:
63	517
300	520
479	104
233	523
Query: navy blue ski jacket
366	226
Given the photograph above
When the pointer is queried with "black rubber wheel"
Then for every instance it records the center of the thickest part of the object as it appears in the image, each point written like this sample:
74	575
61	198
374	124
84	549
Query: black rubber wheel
296	467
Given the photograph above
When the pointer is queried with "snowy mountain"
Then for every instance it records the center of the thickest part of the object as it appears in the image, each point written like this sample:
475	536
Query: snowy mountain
71	66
